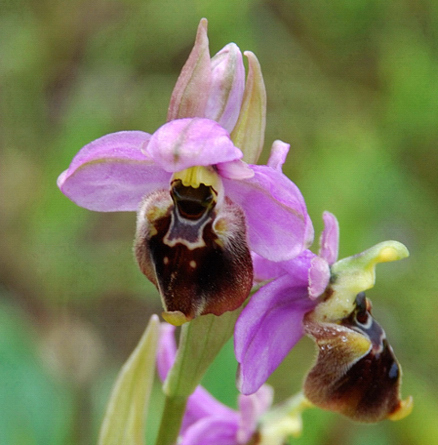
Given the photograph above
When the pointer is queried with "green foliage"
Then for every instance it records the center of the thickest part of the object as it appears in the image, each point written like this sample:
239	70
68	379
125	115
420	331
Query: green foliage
34	408
350	84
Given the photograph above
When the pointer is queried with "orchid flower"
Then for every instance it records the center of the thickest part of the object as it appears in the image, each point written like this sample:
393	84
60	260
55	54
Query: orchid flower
207	421
356	372
201	207
324	298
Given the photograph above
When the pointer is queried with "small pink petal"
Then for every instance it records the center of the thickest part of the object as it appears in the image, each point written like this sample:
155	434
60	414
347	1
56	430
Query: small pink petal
319	277
277	158
251	408
235	170
329	240
211	431
202	404
166	351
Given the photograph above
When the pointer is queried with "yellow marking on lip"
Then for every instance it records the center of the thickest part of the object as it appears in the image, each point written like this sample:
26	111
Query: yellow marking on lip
195	176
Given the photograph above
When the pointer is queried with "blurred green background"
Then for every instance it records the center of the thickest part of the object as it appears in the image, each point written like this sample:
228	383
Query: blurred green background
352	85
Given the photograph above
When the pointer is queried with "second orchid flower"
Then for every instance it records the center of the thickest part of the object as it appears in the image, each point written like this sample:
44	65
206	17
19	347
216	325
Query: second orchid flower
356	372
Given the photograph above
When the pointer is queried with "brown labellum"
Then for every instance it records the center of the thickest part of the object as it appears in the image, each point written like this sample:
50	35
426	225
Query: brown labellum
356	372
194	251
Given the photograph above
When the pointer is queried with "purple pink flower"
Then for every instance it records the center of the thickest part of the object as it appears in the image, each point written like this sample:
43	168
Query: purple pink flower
201	208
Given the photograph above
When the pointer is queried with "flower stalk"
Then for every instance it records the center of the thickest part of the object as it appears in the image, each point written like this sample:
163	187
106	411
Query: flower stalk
200	342
171	419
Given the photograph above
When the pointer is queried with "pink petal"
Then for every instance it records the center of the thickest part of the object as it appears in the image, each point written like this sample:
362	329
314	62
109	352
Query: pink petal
268	328
251	408
202	404
277	157
227	86
329	240
279	227
211	431
235	170
185	143
166	351
264	269
112	173
319	277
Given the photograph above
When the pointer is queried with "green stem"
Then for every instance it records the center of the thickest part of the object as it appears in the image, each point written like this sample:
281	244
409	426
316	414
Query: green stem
172	416
200	342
